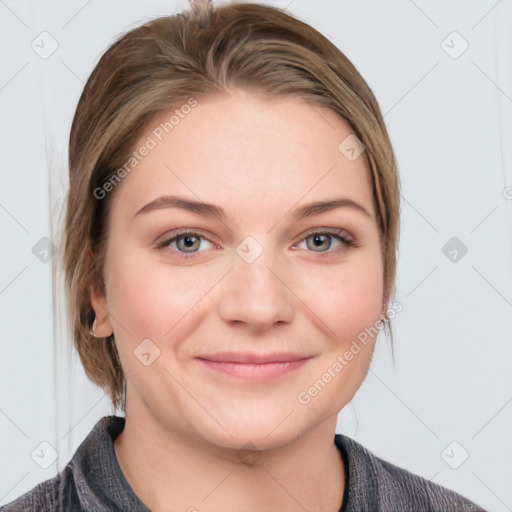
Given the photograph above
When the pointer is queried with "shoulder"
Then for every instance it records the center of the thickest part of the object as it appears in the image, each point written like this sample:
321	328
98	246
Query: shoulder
73	488
375	484
57	493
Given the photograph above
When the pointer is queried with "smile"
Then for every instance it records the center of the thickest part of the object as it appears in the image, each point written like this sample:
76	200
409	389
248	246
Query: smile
253	367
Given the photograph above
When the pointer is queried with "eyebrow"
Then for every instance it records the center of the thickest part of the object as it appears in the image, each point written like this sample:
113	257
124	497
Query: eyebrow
211	210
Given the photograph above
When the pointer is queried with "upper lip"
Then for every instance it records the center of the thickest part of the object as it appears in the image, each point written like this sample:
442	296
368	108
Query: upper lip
248	358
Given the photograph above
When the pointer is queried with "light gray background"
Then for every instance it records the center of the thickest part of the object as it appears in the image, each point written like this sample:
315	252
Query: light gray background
450	123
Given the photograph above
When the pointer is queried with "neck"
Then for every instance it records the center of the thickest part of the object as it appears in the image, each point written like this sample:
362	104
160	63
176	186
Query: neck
167	467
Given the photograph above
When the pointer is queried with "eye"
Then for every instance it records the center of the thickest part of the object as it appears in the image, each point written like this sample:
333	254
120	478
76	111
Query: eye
321	241
188	243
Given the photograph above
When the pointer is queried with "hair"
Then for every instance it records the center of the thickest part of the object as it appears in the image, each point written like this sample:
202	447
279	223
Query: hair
162	64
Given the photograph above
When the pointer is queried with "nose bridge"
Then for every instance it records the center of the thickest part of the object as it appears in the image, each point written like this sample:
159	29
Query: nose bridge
256	293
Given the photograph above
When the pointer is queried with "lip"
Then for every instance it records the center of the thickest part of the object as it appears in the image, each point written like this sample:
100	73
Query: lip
247	357
254	366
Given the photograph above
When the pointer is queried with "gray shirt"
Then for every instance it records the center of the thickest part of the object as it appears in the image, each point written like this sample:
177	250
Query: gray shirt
93	482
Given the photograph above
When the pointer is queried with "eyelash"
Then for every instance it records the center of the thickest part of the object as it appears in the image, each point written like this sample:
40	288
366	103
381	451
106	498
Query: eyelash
336	233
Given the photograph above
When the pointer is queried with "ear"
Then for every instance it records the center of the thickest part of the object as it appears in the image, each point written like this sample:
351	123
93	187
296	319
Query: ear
99	305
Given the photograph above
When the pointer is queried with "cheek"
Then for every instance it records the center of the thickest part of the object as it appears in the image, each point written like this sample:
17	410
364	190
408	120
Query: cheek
346	298
148	298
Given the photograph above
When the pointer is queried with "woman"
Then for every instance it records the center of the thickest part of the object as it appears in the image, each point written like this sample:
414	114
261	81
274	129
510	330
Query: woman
230	253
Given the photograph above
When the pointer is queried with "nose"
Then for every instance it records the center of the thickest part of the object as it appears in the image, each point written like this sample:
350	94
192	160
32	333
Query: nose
256	295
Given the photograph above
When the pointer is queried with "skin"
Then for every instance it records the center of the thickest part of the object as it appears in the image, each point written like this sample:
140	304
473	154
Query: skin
258	158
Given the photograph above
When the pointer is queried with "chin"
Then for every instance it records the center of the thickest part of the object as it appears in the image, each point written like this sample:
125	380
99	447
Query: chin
260	427
252	438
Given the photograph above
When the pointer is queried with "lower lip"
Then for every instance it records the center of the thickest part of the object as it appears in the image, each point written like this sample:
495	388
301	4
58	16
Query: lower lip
254	371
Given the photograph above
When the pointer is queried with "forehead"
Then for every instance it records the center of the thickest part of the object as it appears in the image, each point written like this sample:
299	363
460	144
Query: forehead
247	153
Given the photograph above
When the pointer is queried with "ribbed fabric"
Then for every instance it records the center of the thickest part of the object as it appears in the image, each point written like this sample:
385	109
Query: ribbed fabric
93	482
376	485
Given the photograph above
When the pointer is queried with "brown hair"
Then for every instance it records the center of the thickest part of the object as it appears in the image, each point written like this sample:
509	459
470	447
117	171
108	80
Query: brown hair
165	62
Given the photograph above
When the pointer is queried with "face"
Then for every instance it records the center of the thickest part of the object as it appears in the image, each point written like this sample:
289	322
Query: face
234	321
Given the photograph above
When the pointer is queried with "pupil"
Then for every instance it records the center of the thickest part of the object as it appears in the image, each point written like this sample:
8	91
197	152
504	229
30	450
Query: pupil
189	241
319	240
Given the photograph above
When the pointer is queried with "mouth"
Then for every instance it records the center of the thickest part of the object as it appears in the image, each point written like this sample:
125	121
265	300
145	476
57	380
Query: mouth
253	366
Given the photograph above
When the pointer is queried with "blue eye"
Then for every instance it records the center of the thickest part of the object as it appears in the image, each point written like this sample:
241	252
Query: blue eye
188	244
324	241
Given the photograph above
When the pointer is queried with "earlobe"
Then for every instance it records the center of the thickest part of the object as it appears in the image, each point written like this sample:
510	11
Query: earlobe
102	326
